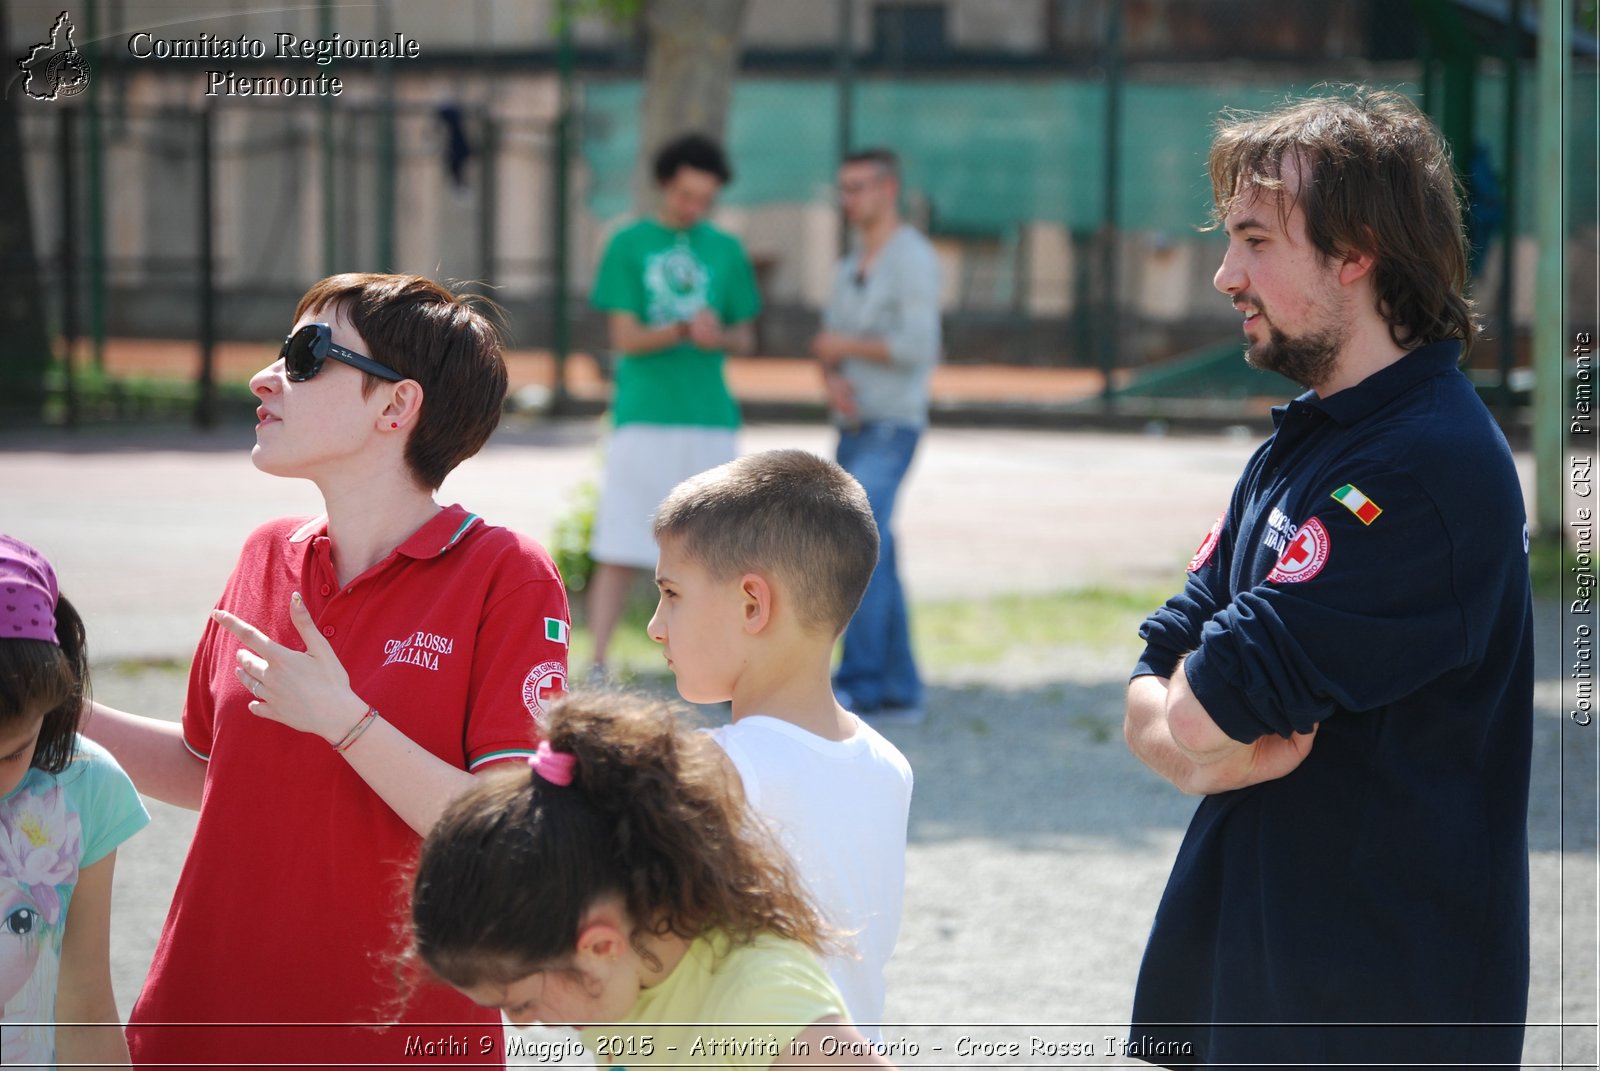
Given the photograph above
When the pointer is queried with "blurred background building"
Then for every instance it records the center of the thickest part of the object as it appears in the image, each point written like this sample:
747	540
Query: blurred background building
1054	149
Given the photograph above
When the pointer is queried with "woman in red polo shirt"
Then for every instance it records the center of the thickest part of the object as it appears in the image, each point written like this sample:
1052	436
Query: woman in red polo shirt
359	669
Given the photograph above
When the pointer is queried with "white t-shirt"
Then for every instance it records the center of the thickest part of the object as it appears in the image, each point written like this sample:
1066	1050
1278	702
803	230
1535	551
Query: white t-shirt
840	808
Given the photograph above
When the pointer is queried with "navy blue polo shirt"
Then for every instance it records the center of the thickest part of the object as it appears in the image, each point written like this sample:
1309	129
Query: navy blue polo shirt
1369	576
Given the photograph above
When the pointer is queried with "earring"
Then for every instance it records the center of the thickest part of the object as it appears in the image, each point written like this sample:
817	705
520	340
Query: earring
393	424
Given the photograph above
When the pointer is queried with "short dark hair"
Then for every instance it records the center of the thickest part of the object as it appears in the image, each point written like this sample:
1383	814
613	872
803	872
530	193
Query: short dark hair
787	512
691	150
883	159
1376	176
445	341
39	677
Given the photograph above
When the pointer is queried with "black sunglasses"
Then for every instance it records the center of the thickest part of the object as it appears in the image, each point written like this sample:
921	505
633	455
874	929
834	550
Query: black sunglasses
305	351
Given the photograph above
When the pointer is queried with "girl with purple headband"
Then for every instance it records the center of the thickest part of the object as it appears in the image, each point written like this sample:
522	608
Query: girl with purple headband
621	881
65	806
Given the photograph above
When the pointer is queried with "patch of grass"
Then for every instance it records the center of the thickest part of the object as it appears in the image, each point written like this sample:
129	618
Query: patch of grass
947	633
980	632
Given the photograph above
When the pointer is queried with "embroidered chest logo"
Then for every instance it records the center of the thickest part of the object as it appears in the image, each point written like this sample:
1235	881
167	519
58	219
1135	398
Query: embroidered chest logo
1208	547
1280	529
1305	555
418	649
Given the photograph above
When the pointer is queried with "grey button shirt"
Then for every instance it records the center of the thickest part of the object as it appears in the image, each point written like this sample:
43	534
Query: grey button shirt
898	302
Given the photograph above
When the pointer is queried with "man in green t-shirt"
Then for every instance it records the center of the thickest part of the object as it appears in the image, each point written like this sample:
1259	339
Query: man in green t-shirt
680	293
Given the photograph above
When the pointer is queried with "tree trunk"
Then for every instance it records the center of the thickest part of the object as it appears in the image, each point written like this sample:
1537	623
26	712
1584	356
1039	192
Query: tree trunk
691	58
24	342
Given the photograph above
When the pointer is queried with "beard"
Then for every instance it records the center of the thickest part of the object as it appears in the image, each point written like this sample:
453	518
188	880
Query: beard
1307	359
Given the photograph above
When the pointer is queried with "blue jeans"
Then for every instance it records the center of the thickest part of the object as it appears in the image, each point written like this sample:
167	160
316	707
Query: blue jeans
878	669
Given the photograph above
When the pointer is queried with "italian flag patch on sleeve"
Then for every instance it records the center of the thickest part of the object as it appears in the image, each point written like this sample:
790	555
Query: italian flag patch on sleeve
1351	498
555	630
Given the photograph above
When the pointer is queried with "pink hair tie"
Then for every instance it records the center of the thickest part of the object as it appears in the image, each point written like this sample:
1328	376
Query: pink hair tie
554	766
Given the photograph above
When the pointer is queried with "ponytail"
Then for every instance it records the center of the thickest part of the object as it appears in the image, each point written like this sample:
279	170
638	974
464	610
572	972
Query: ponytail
653	815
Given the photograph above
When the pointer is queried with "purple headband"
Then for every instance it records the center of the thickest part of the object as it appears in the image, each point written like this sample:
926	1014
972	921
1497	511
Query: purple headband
554	766
28	593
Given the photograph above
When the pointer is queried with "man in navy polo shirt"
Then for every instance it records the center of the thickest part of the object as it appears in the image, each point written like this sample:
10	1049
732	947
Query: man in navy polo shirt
1347	676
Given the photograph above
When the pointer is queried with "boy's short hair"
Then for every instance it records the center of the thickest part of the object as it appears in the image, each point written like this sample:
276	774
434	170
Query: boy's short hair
444	341
784	512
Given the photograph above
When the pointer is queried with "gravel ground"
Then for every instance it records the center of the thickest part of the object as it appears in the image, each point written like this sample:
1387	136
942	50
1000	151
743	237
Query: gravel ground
1039	847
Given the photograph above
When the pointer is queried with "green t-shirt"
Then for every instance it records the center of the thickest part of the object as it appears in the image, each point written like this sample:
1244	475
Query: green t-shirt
661	276
722	1007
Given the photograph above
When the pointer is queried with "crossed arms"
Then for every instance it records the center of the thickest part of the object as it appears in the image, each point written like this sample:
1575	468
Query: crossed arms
1168	730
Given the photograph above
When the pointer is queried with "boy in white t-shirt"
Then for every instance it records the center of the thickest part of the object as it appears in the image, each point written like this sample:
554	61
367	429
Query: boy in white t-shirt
763	560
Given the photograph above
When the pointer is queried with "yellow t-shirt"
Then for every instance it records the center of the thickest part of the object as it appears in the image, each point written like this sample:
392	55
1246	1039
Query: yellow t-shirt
722	1007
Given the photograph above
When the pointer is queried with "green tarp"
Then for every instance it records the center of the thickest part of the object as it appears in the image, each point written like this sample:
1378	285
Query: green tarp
989	155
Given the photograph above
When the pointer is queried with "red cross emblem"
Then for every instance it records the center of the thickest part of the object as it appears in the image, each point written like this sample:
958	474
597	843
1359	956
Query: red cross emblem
545	683
1207	547
1305	555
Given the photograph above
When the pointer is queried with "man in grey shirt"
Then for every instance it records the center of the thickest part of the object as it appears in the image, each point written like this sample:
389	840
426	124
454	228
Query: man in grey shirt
879	343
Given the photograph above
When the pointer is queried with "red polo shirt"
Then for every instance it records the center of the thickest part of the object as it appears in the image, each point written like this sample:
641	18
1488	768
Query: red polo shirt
292	902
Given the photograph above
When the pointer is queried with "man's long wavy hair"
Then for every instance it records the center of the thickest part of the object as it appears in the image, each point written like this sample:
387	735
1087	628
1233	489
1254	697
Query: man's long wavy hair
654	815
1375	176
